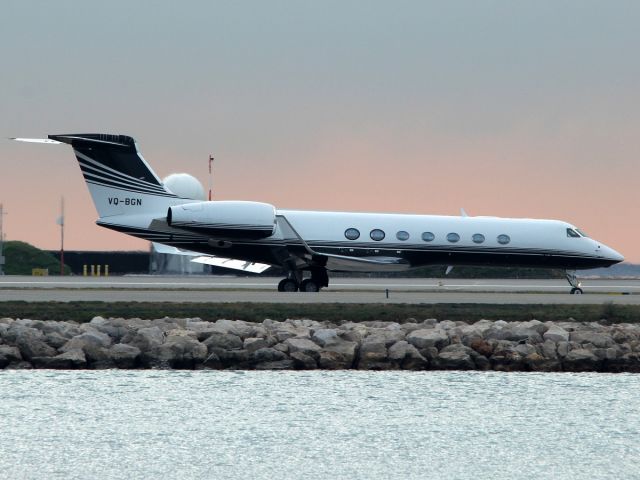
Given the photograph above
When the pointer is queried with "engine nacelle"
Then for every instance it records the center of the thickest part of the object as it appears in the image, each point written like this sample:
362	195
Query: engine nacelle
233	219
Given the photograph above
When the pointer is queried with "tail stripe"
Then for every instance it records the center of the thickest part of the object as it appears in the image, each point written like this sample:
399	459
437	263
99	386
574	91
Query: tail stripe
106	169
122	184
127	189
92	170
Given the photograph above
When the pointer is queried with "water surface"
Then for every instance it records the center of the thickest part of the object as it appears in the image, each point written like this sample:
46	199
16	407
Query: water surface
352	425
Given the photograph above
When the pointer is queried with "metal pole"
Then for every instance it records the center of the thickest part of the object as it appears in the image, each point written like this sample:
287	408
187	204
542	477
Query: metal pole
2	214
210	176
61	235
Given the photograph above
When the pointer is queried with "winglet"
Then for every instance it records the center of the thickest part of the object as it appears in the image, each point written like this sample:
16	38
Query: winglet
463	213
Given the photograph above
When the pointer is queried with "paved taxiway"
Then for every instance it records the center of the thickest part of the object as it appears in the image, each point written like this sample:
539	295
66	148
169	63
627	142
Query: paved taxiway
342	290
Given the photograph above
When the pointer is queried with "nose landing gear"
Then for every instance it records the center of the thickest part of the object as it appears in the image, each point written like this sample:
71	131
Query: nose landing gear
575	284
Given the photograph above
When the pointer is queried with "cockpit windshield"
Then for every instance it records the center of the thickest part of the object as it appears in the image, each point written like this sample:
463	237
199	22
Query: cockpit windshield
572	233
581	232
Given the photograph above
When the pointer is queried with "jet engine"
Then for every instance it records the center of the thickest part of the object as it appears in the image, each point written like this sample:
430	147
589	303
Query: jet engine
234	219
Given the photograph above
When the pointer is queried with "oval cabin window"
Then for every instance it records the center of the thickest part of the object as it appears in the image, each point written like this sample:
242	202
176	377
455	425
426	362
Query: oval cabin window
352	233
402	235
377	235
453	237
428	237
503	239
478	238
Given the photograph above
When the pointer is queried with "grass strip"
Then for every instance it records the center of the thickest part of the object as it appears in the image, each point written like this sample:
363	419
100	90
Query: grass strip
335	312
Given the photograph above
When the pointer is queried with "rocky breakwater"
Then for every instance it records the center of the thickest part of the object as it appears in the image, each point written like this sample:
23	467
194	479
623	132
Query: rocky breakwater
307	345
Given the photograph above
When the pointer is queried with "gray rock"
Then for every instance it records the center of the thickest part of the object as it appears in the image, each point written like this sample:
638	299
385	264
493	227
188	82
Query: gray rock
71	359
563	349
332	361
525	349
55	339
325	336
580	360
422	339
283	347
279	365
455	357
389	337
235	359
201	329
9	354
31	343
176	352
628	362
145	339
373	356
94	345
212	362
556	334
225	341
124	356
407	356
116	328
507	360
240	328
344	351
19	365
266	354
255	343
549	349
610	353
303	345
599	340
537	363
303	362
513	333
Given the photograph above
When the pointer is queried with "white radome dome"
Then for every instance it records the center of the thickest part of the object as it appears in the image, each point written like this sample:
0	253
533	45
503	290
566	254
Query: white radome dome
185	186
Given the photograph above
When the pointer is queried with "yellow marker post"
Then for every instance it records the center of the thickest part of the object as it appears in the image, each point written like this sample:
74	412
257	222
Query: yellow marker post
93	270
84	270
106	270
98	270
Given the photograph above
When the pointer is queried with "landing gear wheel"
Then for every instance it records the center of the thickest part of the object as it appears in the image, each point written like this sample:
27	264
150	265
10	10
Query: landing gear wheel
575	284
288	285
308	285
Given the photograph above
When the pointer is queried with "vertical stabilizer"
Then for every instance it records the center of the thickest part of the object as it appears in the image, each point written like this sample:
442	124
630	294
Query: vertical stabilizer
119	179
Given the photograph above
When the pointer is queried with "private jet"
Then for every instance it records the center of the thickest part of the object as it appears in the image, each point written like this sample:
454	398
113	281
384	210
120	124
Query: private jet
252	236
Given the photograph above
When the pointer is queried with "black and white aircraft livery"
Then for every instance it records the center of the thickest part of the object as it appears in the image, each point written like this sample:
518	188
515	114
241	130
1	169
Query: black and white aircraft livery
253	236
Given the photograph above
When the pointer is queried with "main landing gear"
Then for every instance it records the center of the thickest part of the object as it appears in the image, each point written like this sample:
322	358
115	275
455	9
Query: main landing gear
294	282
575	284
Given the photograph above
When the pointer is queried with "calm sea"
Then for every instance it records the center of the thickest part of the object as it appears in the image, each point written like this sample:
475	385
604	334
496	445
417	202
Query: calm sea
351	425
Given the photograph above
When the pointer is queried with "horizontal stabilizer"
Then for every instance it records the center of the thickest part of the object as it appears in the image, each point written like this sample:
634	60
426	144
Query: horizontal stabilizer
36	140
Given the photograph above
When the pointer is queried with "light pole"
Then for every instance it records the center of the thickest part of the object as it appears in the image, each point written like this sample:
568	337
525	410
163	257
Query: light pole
61	223
210	176
2	214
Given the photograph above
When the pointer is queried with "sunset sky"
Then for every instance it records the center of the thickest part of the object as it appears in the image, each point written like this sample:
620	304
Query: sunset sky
505	108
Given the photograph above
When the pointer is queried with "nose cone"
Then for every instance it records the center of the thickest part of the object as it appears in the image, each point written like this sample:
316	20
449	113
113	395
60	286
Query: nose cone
611	255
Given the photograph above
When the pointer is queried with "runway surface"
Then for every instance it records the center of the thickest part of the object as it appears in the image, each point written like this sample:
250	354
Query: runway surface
342	290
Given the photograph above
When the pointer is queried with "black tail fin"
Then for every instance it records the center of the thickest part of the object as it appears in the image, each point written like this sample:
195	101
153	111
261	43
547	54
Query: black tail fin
114	170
